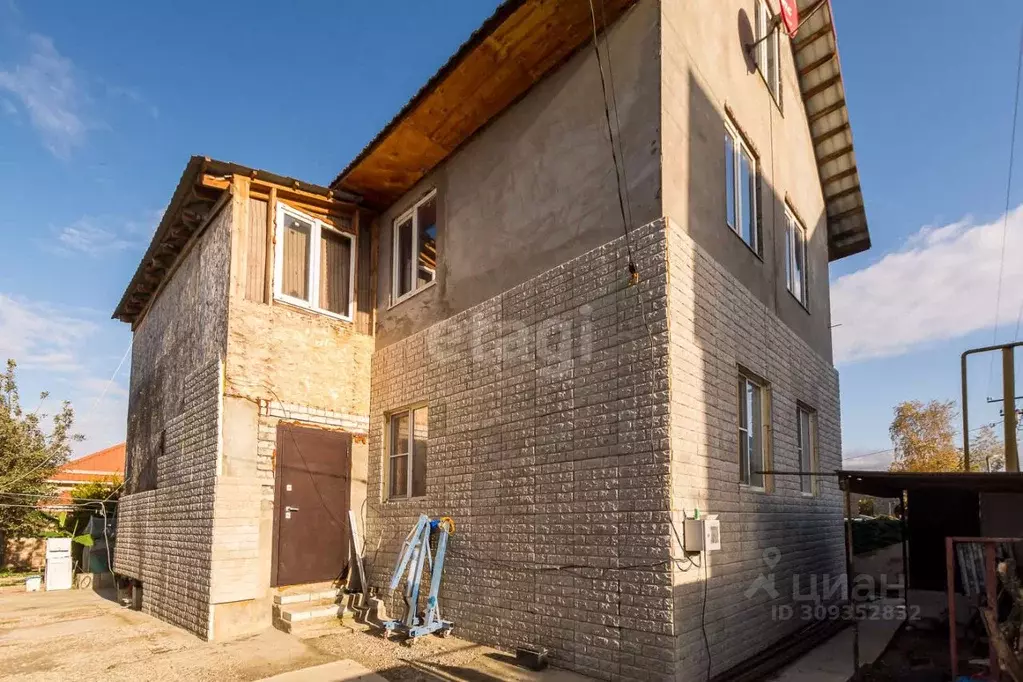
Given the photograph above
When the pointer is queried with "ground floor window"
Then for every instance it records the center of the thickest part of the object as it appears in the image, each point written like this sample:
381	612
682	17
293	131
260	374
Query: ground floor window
753	460
806	445
408	433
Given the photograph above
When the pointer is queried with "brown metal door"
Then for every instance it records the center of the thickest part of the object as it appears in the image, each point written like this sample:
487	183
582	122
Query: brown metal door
311	495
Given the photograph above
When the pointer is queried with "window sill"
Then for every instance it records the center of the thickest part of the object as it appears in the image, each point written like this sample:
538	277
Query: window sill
399	500
291	303
755	489
412	294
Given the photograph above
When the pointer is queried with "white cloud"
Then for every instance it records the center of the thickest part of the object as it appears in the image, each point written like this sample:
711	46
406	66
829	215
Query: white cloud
49	90
57	349
940	285
83	236
40	336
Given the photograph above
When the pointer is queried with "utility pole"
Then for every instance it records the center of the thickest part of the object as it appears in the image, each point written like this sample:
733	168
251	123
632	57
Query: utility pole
1008	406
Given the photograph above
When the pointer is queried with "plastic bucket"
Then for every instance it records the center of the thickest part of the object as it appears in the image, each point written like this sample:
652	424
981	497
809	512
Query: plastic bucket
33	583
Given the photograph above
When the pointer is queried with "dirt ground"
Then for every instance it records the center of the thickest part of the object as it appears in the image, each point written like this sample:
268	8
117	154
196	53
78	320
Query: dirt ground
81	635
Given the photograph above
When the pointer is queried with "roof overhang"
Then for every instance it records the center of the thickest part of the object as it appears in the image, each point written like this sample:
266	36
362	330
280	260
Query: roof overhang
815	49
201	186
520	43
893	483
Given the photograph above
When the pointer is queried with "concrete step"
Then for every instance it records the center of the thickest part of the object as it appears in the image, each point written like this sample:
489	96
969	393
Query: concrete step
311	610
296	594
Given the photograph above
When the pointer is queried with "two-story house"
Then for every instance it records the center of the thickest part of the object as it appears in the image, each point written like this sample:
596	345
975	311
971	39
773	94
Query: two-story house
568	296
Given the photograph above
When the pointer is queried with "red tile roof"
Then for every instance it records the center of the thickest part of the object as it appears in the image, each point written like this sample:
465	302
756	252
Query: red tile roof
98	466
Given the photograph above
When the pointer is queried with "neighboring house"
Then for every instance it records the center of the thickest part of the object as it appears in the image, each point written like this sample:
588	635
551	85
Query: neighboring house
98	467
453	327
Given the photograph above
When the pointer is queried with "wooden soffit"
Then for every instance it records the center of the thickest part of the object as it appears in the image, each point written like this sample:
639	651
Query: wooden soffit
521	42
815	48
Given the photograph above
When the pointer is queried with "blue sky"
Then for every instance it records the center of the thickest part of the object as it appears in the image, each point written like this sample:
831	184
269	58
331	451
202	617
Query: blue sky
101	105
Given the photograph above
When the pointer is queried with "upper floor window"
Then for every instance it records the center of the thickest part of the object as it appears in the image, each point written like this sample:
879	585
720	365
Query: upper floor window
741	189
314	264
406	457
795	258
753	409
767	48
414	253
806	427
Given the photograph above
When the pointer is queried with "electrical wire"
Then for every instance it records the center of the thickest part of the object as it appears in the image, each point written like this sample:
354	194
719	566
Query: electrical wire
610	131
1005	218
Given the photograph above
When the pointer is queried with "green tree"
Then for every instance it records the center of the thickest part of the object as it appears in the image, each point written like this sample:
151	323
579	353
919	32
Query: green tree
987	451
865	506
924	437
28	455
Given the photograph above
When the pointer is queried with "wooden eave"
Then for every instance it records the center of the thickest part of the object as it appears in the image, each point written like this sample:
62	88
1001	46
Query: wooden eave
198	193
815	49
516	47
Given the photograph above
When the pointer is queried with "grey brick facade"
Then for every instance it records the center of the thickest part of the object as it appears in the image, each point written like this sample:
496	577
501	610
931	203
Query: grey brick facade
165	535
565	464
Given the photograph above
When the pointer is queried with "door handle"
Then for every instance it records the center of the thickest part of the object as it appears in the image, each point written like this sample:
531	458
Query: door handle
290	509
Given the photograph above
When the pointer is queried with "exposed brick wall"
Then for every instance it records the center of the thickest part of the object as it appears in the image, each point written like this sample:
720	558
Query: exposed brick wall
165	535
548	445
716	324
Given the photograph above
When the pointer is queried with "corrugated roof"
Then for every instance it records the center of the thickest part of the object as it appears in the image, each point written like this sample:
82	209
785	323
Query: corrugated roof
815	48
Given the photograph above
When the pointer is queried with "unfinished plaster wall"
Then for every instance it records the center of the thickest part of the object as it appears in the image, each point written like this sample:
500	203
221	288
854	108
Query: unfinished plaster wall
716	325
706	79
548	445
282	363
536	187
166	516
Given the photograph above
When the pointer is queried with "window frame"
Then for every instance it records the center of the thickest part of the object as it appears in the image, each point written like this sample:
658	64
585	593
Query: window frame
413	214
746	378
389	444
766	43
808	485
739	145
313	279
792	226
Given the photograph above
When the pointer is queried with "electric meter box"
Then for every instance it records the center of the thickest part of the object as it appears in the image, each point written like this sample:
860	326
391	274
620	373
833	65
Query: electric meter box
703	535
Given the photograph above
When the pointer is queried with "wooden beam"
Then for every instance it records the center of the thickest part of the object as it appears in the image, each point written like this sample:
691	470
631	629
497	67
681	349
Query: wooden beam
817	63
828	134
822	86
841	195
830	109
812	38
841	175
271	253
834	155
845	214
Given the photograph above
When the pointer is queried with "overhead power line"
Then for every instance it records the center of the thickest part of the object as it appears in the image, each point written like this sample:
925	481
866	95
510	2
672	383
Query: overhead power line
1005	217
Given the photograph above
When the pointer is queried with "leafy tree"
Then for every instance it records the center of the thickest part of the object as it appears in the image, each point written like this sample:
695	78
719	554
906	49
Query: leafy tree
865	506
987	452
28	456
924	437
85	496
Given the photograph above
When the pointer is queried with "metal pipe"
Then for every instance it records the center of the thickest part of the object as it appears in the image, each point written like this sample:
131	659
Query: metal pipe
905	553
849	574
966	415
965	406
1009	407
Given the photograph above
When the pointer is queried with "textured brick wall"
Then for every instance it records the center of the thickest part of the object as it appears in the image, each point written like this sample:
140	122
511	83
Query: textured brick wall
165	535
716	325
548	445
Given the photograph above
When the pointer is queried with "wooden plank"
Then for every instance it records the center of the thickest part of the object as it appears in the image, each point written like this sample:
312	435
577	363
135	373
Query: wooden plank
256	245
271	217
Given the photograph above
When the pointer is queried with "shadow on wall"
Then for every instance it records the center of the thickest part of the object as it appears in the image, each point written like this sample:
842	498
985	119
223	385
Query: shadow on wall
733	296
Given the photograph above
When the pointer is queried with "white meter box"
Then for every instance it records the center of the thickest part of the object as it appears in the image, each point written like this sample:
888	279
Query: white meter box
703	535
